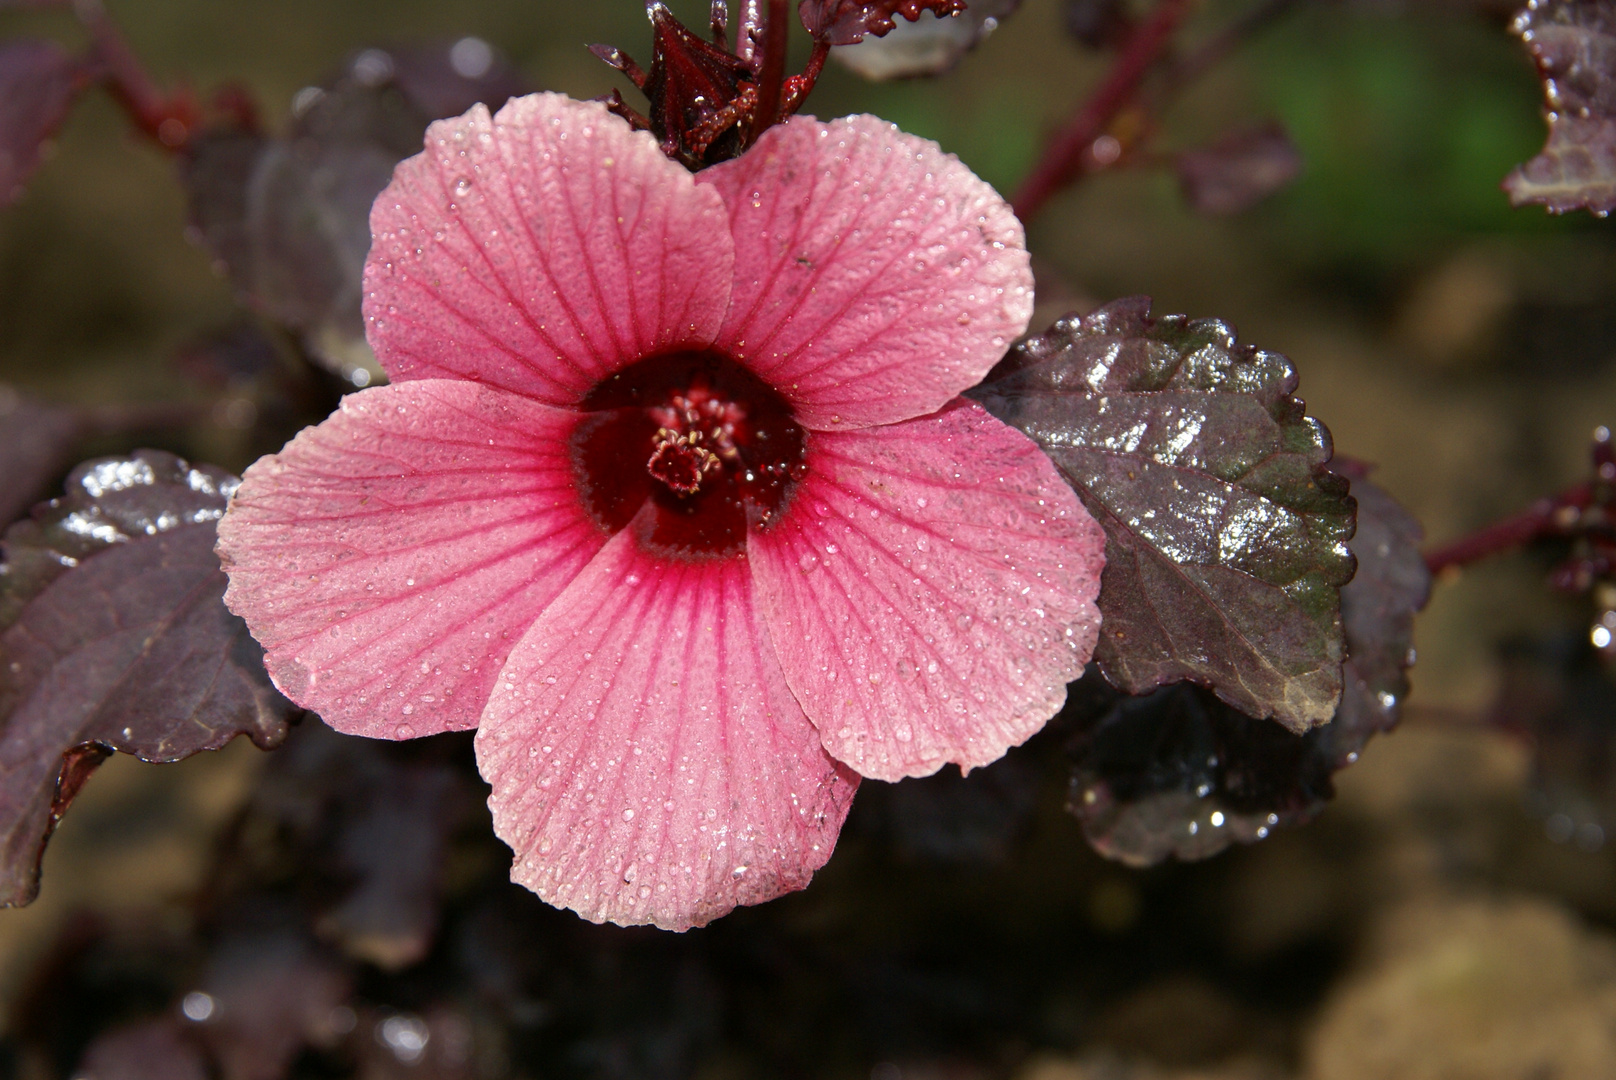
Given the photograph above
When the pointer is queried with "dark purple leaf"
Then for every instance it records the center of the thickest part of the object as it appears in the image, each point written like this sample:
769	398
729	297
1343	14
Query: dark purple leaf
267	996
926	47
38	85
445	80
288	218
114	636
1573	43
373	821
1560	695
36	444
150	1050
1377	609
237	356
1179	773
1225	532
1239	170
843	22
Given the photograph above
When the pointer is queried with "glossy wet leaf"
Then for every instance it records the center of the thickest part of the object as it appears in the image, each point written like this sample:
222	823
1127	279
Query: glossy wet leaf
928	46
1573	43
1238	171
289	218
1180	773
114	637
38	84
1225	531
843	22
36	441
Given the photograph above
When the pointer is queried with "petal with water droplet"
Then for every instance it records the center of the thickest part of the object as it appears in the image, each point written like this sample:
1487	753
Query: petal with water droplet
733	774
386	555
846	292
993	620
565	259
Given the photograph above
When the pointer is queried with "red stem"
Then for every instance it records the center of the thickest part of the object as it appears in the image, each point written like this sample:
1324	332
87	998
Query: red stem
1063	160
169	120
772	71
798	87
1516	531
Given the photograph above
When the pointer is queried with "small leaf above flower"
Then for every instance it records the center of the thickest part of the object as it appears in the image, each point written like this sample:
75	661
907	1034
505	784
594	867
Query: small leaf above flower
929	46
1226	533
38	84
114	636
1573	43
1239	170
844	22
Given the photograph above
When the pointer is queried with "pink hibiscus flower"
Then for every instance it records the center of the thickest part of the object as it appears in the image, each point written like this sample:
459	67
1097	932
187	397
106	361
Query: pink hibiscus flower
673	498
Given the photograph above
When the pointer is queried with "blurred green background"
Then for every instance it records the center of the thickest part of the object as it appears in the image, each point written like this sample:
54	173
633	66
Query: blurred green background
1466	348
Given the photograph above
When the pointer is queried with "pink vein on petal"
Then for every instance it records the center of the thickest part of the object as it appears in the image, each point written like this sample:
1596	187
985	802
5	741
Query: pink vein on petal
394	624
648	763
510	238
930	592
875	276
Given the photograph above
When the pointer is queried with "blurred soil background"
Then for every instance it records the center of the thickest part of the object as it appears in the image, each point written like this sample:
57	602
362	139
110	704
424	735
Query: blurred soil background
1427	925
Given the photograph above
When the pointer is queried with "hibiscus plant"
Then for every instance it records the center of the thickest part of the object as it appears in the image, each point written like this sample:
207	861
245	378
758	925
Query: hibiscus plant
705	460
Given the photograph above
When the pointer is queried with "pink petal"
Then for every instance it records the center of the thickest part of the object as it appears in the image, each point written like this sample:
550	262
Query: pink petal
930	591
540	250
648	763
390	558
875	276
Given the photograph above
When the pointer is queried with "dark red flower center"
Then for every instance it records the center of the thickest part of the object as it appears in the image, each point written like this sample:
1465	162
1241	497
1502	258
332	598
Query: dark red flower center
711	447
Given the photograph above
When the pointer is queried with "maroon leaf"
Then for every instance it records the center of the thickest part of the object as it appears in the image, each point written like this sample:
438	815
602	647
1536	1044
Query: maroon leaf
700	95
1179	773
289	219
843	22
114	636
268	995
372	822
926	47
149	1050
38	85
1239	170
1559	695
1225	532
1573	43
36	444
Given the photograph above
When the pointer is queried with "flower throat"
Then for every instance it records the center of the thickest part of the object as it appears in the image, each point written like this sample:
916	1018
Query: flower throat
705	447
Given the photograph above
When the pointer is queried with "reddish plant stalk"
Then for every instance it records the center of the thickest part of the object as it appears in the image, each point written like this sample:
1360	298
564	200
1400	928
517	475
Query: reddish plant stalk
169	119
772	69
1063	161
798	87
1541	519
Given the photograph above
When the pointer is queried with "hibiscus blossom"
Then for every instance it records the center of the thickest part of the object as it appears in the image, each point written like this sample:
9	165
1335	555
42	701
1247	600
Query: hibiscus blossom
673	498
